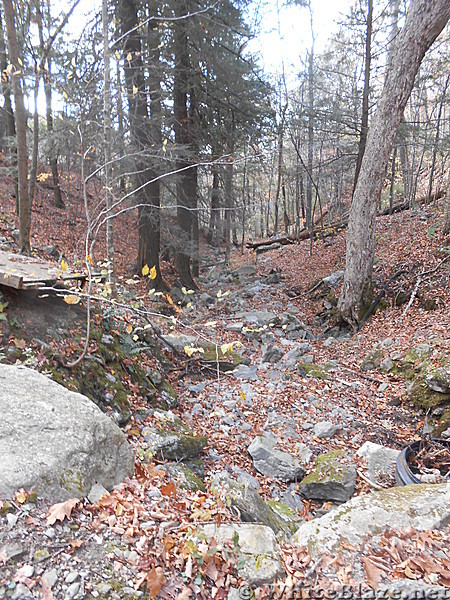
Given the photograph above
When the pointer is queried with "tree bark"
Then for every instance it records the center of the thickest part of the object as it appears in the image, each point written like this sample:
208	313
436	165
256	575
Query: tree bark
7	109
21	129
365	104
185	191
446	226
424	21
148	194
107	150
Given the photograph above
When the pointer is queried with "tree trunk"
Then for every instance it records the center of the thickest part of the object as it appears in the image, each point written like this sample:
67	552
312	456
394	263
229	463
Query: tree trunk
184	163
424	21
446	226
148	192
21	128
365	106
436	140
7	109
107	151
215	206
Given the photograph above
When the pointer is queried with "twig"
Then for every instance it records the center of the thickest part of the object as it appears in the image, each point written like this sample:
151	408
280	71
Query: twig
376	486
420	278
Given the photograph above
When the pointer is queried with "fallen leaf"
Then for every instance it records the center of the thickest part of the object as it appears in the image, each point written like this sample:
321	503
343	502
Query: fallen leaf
72	299
62	510
169	490
46	590
373	573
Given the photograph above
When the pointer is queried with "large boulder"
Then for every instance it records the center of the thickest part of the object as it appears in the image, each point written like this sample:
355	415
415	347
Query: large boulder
55	441
332	478
419	506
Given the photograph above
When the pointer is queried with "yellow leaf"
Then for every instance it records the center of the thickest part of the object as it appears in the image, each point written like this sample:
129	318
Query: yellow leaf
224	348
169	299
65	96
71	299
242	395
152	274
145	270
117	55
135	338
129	57
20	62
129	328
73	62
64	265
189	351
89	259
150	292
119	510
21	496
135	90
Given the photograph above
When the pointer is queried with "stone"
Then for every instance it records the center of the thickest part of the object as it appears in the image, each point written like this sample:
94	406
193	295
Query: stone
380	459
372	360
273	354
258	560
172	440
333	279
56	441
423	507
96	492
275	463
292	498
245	502
245	270
439	380
50	576
325	429
21	592
184	477
332	479
290	358
258	317
246	372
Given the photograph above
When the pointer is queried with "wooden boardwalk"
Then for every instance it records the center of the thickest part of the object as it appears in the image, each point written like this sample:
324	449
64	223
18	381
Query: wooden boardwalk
27	272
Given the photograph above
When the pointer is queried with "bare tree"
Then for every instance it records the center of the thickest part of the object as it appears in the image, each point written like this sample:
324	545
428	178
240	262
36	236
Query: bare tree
424	22
21	129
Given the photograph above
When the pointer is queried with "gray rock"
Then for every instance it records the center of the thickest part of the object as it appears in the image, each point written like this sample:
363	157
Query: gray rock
292	498
386	365
439	380
236	327
245	270
56	441
332	479
380	459
272	462
325	429
173	440
246	372
330	341
50	576
206	299
273	354
333	279
290	358
258	317
422	507
73	589
258	559
21	592
96	492
247	504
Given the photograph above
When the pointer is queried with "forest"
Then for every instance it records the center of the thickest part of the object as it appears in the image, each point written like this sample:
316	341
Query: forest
245	270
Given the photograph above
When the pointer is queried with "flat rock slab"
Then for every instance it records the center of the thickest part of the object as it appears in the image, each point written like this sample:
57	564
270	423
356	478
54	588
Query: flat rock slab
332	478
421	506
55	441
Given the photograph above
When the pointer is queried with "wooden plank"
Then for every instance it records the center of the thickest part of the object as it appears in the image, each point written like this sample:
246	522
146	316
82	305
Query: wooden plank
11	280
